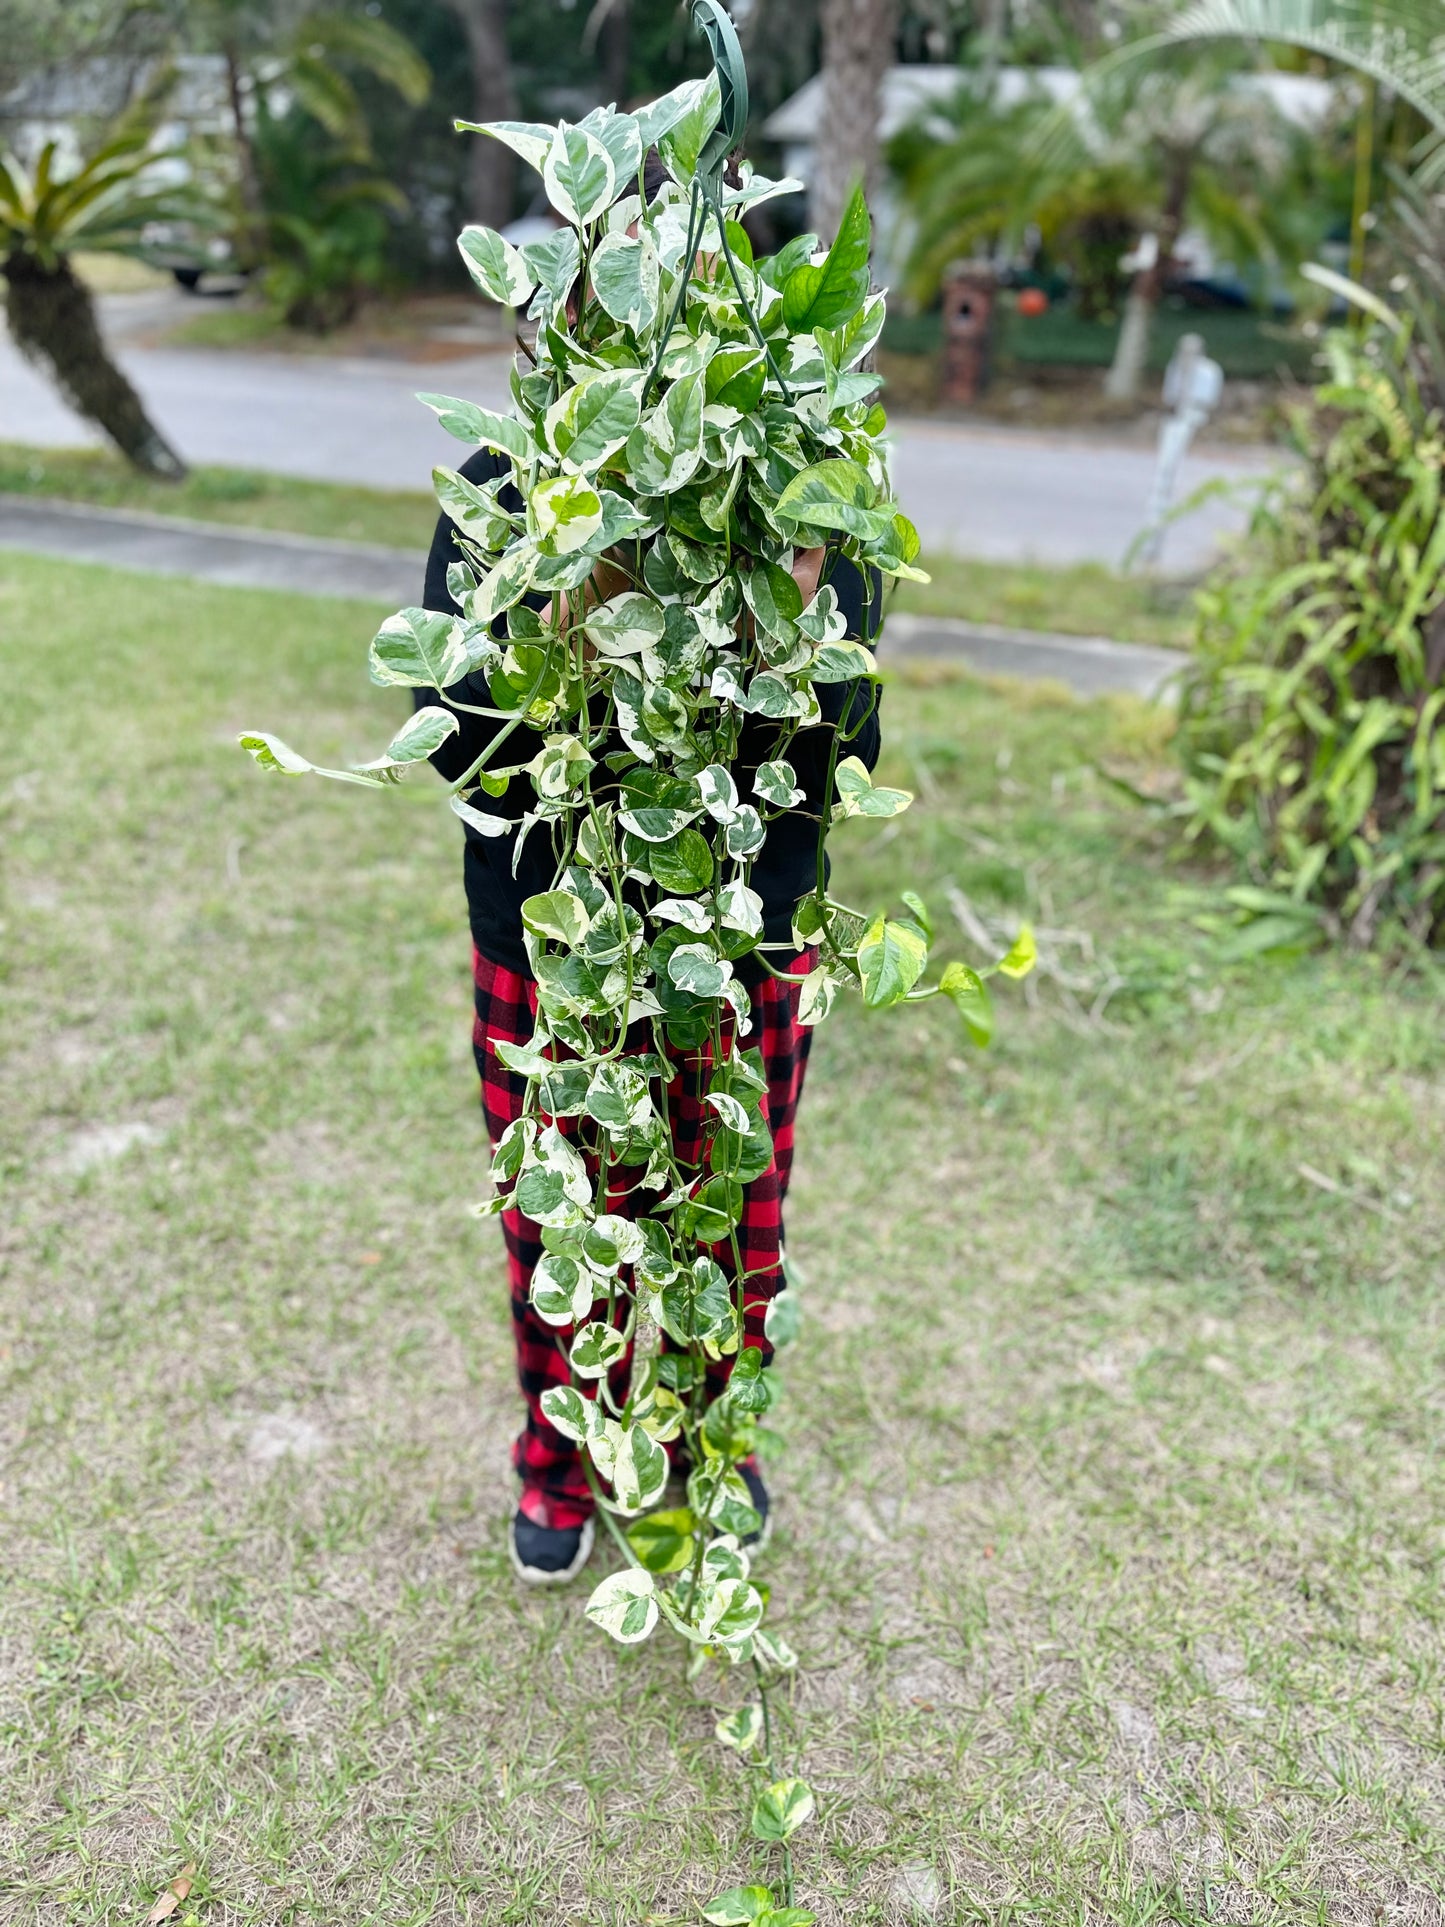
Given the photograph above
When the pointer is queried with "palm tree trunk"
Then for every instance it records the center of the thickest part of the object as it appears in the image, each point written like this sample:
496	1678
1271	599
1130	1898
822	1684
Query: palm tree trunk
858	45
250	247
1131	353
52	320
493	98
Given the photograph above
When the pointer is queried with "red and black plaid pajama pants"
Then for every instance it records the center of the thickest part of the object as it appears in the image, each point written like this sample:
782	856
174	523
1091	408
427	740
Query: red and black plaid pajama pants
554	1487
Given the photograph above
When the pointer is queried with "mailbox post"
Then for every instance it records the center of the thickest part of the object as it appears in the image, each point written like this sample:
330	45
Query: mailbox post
1193	384
970	291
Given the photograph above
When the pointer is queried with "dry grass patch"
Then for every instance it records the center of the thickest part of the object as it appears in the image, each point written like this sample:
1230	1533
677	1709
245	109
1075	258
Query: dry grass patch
1111	1493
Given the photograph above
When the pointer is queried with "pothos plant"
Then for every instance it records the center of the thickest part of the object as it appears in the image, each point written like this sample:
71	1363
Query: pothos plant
691	418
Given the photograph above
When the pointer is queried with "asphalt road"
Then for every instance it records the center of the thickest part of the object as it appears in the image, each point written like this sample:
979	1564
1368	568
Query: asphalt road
993	493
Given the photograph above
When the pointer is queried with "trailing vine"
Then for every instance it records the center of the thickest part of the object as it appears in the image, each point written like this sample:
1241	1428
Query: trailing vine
692	418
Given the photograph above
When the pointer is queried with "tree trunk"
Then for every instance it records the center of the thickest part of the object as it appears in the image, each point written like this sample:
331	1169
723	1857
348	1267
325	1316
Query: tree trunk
52	321
250	238
493	98
617	53
858	47
1131	354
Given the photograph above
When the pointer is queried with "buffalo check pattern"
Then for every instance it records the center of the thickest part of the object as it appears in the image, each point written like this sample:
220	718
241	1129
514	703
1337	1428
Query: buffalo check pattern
554	1487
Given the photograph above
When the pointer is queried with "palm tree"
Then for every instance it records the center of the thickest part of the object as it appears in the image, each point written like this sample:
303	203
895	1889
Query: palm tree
44	219
1398	44
1153	151
266	46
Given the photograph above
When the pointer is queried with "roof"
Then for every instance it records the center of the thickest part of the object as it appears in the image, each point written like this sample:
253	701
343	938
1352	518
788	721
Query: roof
910	90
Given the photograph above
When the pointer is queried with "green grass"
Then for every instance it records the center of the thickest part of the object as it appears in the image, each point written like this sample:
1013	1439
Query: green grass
1082	600
1110	1510
246	498
234	325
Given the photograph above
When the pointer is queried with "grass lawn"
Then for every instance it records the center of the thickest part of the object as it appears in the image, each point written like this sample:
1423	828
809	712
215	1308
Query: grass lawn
248	498
1082	600
1111	1507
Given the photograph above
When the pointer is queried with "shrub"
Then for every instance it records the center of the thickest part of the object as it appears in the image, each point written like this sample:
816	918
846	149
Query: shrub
1310	719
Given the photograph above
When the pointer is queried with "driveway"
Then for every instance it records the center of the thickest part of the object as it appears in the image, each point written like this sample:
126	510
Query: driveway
994	493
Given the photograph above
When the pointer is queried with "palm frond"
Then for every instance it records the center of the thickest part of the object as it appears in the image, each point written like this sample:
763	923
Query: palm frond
370	43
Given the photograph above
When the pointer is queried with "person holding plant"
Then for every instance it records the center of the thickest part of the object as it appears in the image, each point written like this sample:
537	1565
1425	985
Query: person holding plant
551	1534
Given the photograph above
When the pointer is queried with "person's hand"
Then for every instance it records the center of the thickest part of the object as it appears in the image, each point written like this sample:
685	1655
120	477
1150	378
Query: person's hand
807	567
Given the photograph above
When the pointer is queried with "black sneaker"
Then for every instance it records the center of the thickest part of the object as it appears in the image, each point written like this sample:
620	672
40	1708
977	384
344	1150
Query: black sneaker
548	1556
758	1499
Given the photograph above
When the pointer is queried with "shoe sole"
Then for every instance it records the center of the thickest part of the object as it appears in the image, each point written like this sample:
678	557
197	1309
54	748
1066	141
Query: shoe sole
539	1576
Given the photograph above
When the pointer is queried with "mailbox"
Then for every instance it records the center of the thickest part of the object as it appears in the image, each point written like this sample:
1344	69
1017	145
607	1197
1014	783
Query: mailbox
970	291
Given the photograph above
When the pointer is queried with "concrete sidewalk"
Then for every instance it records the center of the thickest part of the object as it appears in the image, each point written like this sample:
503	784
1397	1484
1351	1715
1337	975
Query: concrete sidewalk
267	559
210	551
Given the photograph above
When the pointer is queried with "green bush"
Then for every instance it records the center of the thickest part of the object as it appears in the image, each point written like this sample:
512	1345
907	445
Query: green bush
1310	722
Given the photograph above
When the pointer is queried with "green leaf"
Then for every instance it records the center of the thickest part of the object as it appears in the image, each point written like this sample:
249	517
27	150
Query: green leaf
612	1241
476	511
562	1292
420	736
626	624
663	1541
568	513
557	914
738	1907
496	266
564	1407
625	1605
777	783
841	662
472	424
695	969
783	1319
529	138
777	268
640	1471
1022	955
625	279
920	912
274	755
680	144
742	1729
858	795
597	1347
419	649
735	378
621	135
774	598
834	495
579	176
482	821
657	116
782	1808
969	993
665	449
892	957
554	261
684	865
591	421
830	294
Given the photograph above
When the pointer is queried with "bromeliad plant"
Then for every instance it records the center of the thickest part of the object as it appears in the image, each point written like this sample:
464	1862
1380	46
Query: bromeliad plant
691	420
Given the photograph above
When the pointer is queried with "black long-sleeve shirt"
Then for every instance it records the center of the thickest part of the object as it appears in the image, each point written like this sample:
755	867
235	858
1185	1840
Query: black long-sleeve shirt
785	868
